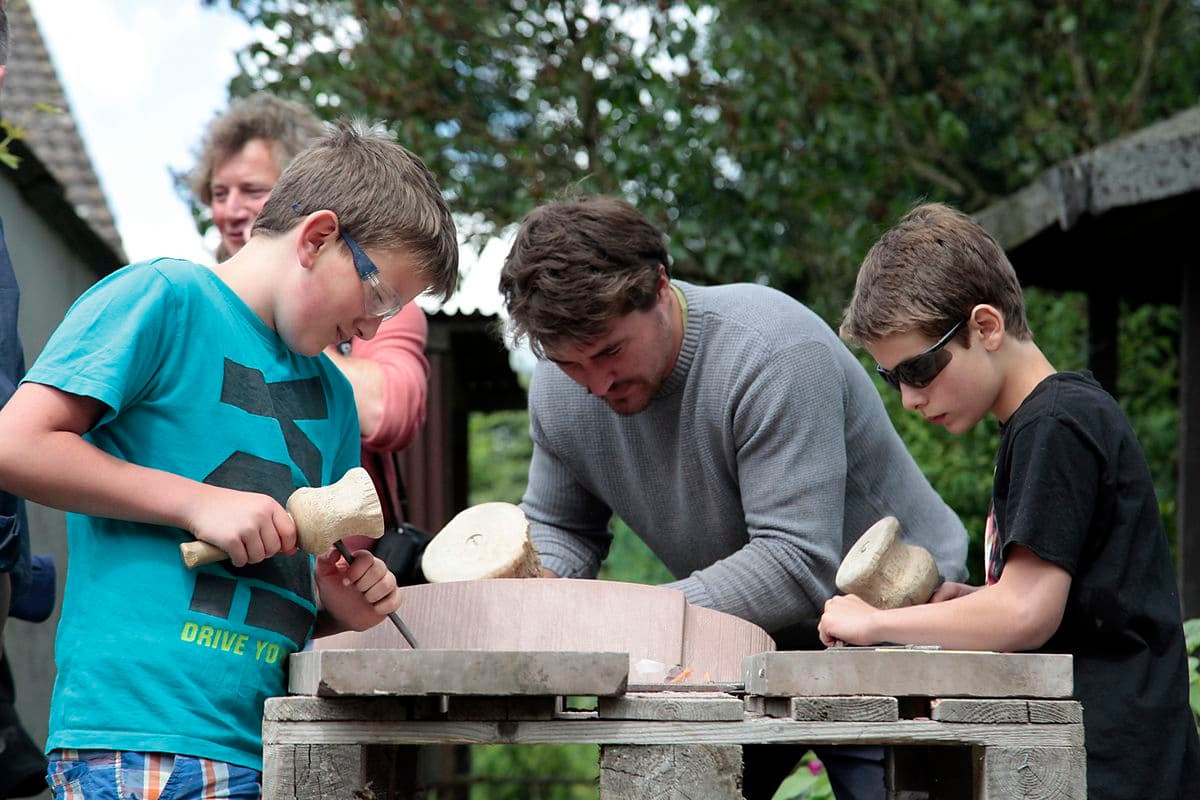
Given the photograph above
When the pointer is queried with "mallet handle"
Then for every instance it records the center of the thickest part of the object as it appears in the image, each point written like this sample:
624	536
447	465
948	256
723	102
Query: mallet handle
197	552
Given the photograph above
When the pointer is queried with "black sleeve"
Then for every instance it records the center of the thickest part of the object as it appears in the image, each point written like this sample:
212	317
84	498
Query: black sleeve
1051	475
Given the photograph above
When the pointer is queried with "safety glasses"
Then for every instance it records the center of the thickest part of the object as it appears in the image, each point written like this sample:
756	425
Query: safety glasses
920	370
382	300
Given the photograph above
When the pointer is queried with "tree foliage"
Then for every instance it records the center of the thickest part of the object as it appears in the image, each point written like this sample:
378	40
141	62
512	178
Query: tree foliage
773	140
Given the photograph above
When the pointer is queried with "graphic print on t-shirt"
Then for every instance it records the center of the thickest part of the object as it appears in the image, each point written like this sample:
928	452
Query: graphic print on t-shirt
286	401
991	549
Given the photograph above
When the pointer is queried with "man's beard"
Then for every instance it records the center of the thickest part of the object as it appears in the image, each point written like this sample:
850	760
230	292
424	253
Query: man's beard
641	401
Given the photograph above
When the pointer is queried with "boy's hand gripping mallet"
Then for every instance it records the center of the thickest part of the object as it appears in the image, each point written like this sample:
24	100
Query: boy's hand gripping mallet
324	516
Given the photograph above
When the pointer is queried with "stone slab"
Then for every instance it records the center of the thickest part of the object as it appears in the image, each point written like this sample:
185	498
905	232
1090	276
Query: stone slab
416	673
652	624
904	672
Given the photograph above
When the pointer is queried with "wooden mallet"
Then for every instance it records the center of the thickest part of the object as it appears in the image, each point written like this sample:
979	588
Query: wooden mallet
324	516
887	573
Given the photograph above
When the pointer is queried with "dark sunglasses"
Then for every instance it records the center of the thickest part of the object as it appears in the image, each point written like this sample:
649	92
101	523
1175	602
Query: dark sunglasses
920	370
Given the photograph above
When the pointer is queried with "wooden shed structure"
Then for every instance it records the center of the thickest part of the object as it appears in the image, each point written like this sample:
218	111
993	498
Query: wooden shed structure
1115	223
468	372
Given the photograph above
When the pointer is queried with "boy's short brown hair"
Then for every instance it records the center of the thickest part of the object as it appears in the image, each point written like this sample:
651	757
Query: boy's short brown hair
927	273
575	266
286	127
382	194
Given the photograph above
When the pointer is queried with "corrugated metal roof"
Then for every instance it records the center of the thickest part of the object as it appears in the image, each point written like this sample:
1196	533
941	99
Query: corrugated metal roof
478	288
53	138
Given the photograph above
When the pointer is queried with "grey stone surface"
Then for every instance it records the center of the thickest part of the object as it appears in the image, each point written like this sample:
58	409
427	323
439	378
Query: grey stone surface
901	672
415	673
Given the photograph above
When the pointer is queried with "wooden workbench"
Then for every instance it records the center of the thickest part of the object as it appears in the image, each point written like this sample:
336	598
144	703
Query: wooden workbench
986	725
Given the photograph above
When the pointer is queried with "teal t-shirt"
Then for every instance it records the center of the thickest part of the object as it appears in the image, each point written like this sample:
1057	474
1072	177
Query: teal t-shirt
152	656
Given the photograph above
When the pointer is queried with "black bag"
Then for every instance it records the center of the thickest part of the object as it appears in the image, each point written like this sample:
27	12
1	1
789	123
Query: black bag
401	549
402	543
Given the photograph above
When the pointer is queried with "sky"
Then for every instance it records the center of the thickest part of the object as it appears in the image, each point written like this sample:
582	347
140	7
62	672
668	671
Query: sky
143	78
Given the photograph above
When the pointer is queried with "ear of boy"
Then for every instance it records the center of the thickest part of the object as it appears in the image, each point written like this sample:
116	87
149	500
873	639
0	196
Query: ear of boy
317	231
1021	363
988	321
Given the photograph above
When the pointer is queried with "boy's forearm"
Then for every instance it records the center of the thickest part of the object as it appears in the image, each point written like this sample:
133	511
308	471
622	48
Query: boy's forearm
988	619
44	457
64	471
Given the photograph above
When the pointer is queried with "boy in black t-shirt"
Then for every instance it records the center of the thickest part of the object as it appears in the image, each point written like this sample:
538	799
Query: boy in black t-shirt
1076	556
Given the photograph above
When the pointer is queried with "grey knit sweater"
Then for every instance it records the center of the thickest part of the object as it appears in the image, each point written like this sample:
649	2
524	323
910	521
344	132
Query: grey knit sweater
761	460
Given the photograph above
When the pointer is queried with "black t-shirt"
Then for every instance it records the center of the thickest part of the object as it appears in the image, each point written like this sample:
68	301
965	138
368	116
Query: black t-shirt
1072	485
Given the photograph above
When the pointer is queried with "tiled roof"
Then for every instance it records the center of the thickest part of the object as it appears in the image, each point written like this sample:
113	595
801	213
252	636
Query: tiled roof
53	138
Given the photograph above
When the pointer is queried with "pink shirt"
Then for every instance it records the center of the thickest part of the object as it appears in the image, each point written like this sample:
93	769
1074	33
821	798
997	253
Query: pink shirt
399	348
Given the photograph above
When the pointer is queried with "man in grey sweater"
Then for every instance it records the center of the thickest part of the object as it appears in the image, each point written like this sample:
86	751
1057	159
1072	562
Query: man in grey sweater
728	426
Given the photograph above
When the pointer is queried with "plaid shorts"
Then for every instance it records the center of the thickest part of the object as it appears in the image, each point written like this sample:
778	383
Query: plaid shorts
115	775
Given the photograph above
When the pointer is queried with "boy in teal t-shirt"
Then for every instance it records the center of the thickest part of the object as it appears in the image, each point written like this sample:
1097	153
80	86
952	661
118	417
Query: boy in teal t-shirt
177	402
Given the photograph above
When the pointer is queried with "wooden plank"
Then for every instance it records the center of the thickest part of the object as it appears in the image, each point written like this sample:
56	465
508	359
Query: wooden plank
312	772
415	673
982	712
900	672
314	709
310	709
844	709
762	730
1055	712
692	706
670	772
1007	773
279	772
